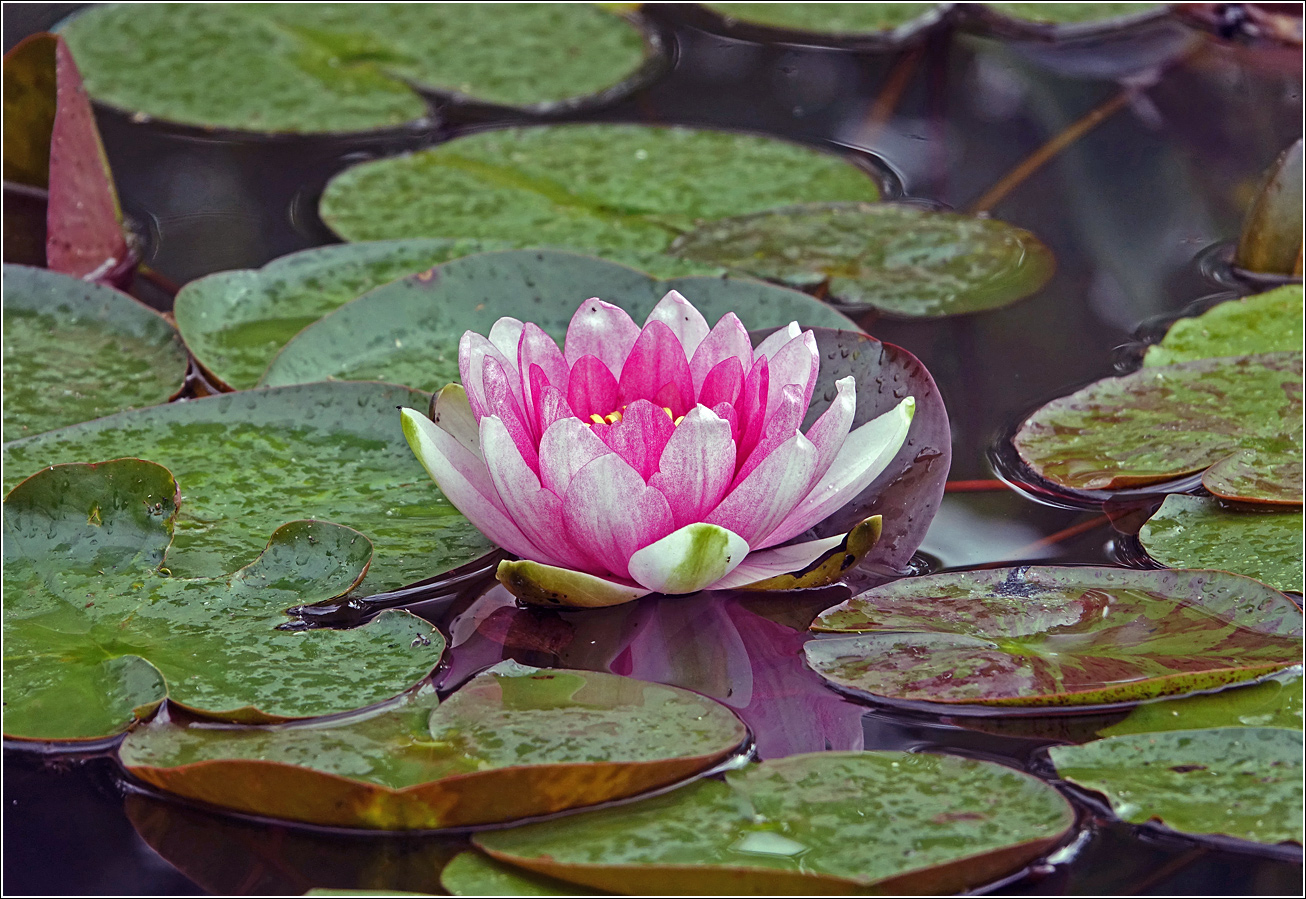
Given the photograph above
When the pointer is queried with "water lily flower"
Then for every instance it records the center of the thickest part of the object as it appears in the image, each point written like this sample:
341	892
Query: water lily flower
667	459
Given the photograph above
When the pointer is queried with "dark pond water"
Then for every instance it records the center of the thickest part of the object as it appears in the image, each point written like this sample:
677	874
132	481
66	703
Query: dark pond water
1131	210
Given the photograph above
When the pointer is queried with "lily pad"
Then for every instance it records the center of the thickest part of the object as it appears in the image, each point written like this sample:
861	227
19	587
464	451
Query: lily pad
899	259
1055	637
1191	531
1075	13
1160	423
1269	322
828	822
515	742
1274	702
74	351
249	461
1257	477
826	18
407	332
474	873
618	191
96	629
235	322
341	67
1241	782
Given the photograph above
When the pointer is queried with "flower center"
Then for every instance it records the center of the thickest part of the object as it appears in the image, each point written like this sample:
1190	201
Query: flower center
616	414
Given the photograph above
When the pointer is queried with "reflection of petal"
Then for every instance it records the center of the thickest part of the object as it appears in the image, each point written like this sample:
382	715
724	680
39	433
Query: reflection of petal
688	559
766	563
610	513
686	322
602	330
549	585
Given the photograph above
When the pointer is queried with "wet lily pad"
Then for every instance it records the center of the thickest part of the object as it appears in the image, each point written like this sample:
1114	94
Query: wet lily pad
1257	477
474	873
74	351
826	18
901	260
1159	423
891	822
97	629
340	67
1275	702
1075	13
235	322
1195	531
515	742
247	462
1052	637
618	191
1269	322
1241	782
407	332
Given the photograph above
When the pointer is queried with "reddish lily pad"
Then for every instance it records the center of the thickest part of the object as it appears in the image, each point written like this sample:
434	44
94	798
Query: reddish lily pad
1251	476
515	742
902	260
1055	637
828	822
1240	782
97	630
1160	423
1198	531
1269	322
74	351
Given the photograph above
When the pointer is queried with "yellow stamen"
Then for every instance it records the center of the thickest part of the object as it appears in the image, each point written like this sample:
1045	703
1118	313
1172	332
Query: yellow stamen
668	411
613	417
678	420
596	418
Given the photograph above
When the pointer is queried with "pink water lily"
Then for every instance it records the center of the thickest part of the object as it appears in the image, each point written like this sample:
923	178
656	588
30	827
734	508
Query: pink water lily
665	459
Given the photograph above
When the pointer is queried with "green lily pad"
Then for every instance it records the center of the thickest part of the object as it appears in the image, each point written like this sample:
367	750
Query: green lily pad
235	322
74	351
1195	531
1257	477
341	67
618	191
827	822
474	873
825	18
515	742
1074	13
407	332
1160	423
249	461
1048	637
96	628
1275	702
1269	322
901	260
1241	782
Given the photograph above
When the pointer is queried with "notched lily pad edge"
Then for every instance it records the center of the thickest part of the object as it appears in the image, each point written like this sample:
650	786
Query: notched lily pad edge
904	36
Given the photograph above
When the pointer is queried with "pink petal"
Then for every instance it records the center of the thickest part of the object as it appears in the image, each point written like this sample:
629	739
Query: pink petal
537	350
686	322
831	430
726	412
611	513
473	351
453	414
727	340
781	425
639	436
551	406
776	339
751	407
591	388
506	334
602	330
657	370
767	563
501	402
760	503
689	559
796	362
697	466
567	447
722	383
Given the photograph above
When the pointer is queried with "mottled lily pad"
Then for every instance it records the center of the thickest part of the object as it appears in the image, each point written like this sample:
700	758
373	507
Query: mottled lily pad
247	462
899	259
343	67
1195	531
1274	702
474	873
1257	477
96	628
828	822
1269	322
407	332
1074	13
826	18
235	322
1053	637
515	742
74	351
1159	423
1240	782
618	191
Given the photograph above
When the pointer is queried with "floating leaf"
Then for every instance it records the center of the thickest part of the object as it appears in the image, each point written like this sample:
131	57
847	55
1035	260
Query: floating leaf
619	191
1257	477
74	351
1269	322
515	742
891	822
1159	423
901	260
1275	702
249	461
95	628
1241	782
826	18
1075	13
476	874
1195	531
408	332
235	322
1271	240
1056	636
342	67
